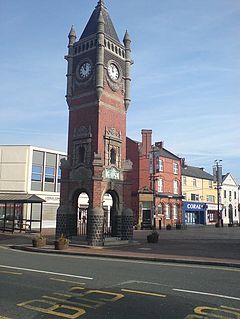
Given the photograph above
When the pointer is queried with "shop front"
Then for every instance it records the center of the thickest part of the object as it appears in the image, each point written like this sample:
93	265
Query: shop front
194	213
212	214
146	210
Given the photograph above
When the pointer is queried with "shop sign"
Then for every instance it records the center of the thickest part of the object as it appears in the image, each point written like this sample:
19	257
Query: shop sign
194	206
214	207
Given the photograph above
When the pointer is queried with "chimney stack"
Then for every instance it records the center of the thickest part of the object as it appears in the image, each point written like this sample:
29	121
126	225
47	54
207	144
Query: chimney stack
159	144
146	141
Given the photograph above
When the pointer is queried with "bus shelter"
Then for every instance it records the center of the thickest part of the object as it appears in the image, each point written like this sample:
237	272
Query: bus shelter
21	212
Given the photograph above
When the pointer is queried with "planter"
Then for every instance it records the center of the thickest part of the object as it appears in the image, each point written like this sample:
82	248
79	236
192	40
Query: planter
178	226
60	245
152	238
168	227
39	242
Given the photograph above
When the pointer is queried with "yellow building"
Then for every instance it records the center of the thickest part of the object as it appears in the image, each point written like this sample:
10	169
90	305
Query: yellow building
200	196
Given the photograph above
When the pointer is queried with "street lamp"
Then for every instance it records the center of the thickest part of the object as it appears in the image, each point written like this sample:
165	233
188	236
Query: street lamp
217	178
153	179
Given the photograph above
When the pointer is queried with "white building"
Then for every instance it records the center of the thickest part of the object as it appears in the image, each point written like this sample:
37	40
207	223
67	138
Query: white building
230	200
29	175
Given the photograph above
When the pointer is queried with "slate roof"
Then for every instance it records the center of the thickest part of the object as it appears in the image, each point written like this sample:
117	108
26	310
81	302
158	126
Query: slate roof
165	153
20	198
196	172
91	27
224	177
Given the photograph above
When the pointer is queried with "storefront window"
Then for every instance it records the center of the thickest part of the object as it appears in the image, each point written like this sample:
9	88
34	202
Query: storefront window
212	215
2	215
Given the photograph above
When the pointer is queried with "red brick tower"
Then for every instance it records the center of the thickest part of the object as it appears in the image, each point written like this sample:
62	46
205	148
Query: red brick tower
98	96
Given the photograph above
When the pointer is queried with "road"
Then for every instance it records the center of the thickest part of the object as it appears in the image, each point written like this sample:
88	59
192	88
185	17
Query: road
36	285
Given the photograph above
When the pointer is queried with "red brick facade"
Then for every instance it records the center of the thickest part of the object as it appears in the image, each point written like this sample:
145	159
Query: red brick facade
98	100
154	165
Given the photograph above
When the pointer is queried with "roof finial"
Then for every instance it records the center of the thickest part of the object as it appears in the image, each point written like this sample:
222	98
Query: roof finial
72	36
101	3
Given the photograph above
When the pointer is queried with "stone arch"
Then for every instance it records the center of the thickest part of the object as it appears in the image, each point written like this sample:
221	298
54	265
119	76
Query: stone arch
80	204
112	215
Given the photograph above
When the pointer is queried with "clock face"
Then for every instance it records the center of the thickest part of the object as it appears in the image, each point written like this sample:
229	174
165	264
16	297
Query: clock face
113	71
85	70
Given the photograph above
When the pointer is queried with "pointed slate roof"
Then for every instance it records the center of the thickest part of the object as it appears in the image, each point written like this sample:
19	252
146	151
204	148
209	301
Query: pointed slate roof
224	177
91	27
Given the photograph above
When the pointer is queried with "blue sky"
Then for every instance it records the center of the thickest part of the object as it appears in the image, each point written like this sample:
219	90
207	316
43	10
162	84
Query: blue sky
185	77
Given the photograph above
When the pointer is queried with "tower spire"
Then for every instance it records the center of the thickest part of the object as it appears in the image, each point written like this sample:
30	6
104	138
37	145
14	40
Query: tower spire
92	25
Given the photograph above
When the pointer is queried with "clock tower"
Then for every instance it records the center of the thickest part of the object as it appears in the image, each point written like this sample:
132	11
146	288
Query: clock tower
98	97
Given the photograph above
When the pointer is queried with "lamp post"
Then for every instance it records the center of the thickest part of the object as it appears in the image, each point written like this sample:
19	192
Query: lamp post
153	179
217	178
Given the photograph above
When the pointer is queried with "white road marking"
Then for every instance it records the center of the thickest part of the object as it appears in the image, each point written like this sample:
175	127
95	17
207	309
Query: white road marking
144	293
206	294
46	272
118	260
68	281
123	283
155	263
10	272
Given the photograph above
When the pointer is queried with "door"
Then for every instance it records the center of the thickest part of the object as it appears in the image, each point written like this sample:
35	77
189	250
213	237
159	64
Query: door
230	214
147	220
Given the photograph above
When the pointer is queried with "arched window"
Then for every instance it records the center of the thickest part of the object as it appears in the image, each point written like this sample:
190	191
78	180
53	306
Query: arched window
160	209
81	154
175	211
175	187
113	156
167	211
160	185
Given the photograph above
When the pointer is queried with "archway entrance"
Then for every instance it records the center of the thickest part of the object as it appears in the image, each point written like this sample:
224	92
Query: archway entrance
107	208
111	209
82	213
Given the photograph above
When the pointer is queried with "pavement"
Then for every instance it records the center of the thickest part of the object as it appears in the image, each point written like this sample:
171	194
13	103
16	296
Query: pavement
204	245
